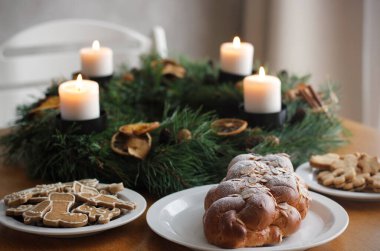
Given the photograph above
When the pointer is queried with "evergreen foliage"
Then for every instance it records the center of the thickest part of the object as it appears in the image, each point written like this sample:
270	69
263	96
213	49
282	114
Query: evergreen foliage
192	103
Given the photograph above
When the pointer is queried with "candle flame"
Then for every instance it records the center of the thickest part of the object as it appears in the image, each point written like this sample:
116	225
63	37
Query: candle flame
236	42
79	83
261	71
96	45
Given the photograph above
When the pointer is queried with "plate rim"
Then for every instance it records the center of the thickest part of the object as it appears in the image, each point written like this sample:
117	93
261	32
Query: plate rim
336	210
14	224
305	170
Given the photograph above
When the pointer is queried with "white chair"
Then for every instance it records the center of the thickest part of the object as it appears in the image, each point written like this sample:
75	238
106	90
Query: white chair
32	58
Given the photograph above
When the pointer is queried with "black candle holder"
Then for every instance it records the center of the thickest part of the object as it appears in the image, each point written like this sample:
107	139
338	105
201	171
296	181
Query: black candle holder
102	81
267	121
83	126
230	77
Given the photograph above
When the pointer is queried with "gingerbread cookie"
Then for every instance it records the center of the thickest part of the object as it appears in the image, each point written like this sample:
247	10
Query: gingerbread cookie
89	182
352	172
100	215
357	184
36	214
328	178
18	198
68	186
51	205
18	211
108	201
374	182
45	189
80	188
346	166
323	161
342	174
35	200
59	214
105	192
368	164
113	188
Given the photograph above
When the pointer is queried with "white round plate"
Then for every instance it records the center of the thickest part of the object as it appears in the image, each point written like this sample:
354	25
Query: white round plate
178	218
80	231
309	175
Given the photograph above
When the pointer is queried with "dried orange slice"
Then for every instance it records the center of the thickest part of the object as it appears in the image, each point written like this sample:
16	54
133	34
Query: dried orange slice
174	70
138	128
170	68
51	102
131	145
229	127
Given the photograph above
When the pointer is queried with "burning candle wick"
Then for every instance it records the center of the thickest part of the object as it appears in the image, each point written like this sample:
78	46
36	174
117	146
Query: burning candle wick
236	42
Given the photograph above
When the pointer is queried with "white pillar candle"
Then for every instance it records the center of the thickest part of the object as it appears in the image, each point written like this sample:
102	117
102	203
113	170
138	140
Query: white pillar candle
96	61
262	93
79	100
236	57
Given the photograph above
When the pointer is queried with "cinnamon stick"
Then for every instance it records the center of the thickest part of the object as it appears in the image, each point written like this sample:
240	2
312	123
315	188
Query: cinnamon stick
315	96
309	99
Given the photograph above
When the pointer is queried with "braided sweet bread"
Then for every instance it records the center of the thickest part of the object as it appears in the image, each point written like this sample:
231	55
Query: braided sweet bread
260	201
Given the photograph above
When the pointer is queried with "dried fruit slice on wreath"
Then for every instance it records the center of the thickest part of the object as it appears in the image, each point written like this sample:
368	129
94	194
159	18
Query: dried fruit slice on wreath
139	128
131	145
51	102
175	70
229	127
170	68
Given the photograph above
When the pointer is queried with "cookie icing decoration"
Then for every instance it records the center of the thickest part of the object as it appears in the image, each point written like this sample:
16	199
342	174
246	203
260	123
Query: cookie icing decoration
80	188
17	211
108	201
99	215
59	214
36	214
113	188
18	198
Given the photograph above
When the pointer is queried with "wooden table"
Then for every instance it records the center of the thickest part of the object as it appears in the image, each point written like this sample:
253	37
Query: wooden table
363	232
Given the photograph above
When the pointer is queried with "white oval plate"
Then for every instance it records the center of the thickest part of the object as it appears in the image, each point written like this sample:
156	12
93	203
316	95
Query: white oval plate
178	218
309	175
80	231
